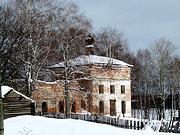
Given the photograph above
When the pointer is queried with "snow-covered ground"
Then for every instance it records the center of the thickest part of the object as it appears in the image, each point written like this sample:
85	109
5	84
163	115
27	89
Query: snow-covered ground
36	125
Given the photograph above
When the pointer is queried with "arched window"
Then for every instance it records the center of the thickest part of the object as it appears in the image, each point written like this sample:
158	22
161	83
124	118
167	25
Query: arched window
73	109
44	107
123	107
101	107
61	106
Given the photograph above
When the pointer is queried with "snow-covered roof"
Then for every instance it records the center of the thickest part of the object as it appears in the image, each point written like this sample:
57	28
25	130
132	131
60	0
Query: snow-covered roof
92	59
7	89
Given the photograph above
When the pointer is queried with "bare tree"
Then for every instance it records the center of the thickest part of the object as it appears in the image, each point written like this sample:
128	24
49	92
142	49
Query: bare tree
70	29
25	40
37	16
145	80
174	84
162	52
111	43
13	32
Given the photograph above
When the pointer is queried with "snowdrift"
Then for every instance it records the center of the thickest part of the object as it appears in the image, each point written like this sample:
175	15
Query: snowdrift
36	125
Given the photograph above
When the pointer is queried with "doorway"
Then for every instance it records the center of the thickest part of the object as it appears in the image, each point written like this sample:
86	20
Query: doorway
113	107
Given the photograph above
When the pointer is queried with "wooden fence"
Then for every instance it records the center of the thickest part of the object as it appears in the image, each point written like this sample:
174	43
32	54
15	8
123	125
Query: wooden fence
128	123
118	122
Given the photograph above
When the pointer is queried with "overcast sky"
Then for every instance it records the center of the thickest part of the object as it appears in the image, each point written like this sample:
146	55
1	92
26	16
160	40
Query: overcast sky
141	21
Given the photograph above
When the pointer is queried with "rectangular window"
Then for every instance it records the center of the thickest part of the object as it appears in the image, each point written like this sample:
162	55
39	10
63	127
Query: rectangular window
112	89
122	89
101	89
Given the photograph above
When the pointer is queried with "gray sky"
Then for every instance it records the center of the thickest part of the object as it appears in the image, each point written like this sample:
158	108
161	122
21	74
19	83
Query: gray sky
141	21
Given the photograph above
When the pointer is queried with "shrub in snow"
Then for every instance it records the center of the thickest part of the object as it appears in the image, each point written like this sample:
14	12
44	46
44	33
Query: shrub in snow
26	131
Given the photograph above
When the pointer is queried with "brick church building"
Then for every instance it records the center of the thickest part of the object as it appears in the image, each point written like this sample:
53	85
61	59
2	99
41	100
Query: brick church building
95	84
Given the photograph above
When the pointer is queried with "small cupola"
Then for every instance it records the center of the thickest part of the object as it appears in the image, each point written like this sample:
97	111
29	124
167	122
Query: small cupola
89	41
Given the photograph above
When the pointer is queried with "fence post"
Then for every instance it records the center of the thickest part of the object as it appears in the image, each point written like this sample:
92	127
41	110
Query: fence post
134	124
142	125
130	124
137	125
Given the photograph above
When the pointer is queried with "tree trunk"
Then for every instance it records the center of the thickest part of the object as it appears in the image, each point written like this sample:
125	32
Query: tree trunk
1	114
66	91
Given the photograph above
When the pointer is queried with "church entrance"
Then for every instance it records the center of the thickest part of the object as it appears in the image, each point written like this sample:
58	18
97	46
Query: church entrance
113	107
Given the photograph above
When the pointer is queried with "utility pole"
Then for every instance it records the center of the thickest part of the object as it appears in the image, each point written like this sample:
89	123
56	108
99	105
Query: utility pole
1	112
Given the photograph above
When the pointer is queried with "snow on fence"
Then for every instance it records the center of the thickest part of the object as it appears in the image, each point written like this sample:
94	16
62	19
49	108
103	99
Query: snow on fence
128	123
152	113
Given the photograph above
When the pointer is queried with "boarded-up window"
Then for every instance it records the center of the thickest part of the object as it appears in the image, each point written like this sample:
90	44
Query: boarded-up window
44	107
73	109
101	89
83	104
112	89
122	89
101	107
123	107
61	106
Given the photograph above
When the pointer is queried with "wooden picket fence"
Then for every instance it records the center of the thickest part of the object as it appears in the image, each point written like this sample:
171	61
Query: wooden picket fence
118	122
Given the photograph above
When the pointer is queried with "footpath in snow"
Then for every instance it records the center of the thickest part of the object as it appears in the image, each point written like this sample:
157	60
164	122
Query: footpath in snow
36	125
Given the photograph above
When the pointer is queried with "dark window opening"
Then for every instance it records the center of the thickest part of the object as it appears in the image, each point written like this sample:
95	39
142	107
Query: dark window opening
113	107
21	97
61	106
73	109
122	89
123	107
101	88
83	105
44	107
112	89
101	107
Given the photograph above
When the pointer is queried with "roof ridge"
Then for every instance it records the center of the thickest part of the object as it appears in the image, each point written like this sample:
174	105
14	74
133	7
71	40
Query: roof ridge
92	59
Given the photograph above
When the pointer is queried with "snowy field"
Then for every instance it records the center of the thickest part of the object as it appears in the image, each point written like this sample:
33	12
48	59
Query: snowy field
36	125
